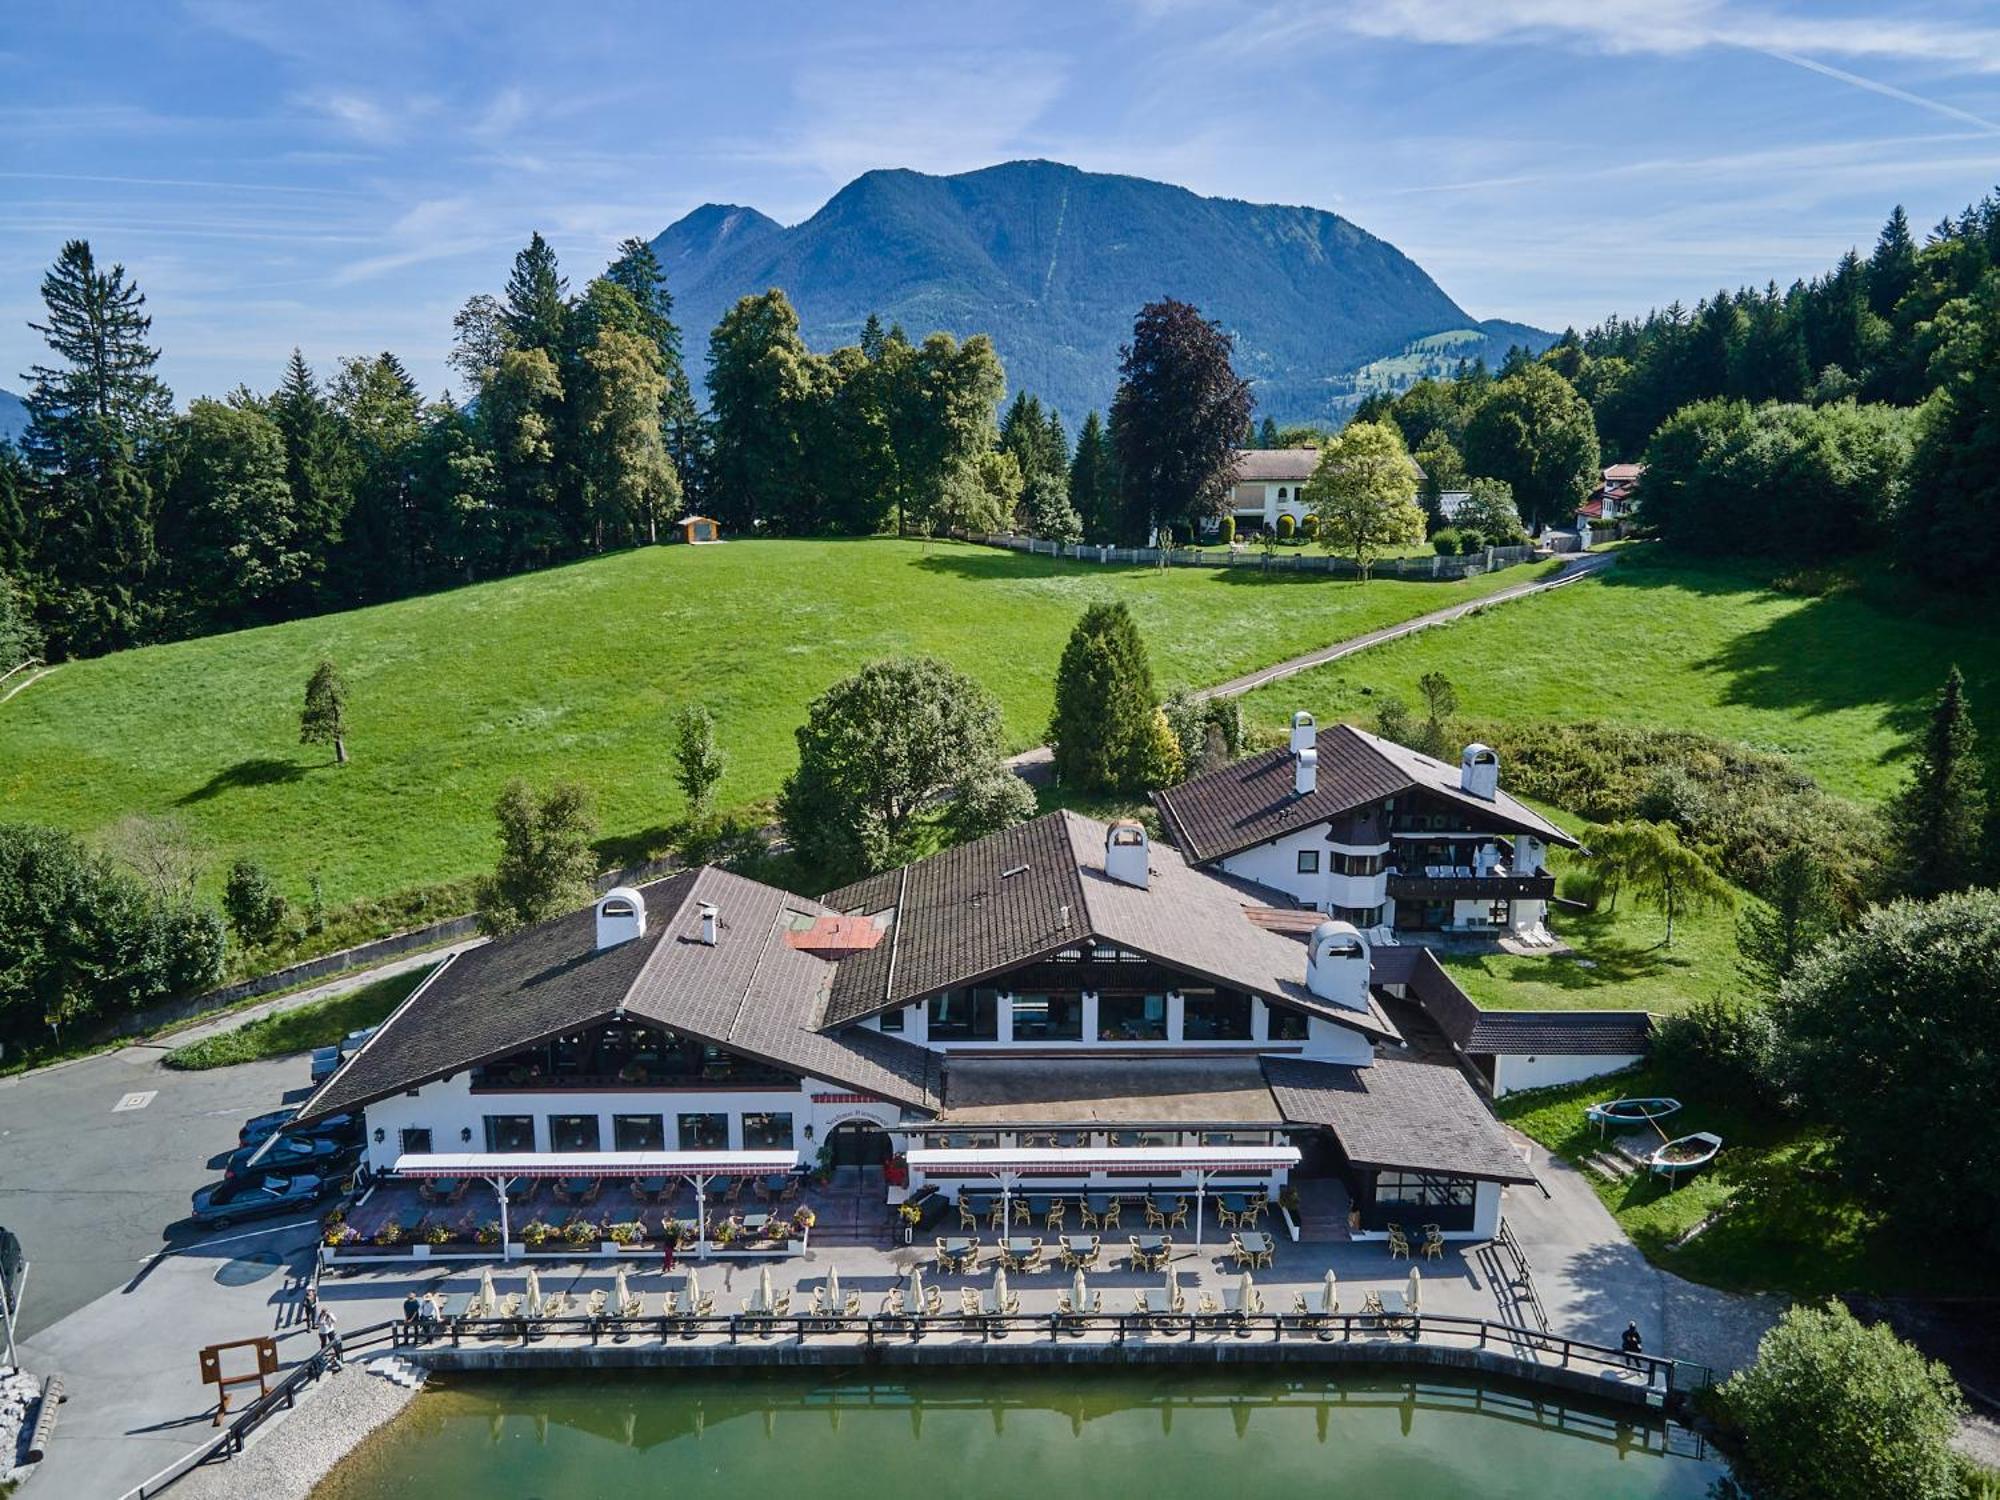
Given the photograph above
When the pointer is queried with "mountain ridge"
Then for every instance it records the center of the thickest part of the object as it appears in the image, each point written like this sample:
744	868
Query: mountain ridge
13	417
1054	262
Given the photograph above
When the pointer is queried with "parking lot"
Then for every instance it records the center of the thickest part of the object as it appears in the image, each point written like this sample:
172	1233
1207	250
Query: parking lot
98	1160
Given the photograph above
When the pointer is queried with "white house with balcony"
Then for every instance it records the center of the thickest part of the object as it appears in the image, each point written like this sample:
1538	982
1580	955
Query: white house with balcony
1373	833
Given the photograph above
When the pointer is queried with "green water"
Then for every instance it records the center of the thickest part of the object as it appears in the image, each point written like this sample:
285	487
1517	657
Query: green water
1022	1434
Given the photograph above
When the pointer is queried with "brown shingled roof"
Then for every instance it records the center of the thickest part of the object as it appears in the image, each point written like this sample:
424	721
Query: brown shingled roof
750	992
1239	806
1275	465
1399	1116
978	910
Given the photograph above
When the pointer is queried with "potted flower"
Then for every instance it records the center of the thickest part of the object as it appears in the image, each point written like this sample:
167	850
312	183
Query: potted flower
438	1234
581	1232
725	1233
341	1235
896	1171
487	1233
391	1233
911	1214
631	1233
537	1233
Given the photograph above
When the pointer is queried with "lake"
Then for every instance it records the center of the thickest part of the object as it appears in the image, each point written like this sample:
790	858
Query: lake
1167	1432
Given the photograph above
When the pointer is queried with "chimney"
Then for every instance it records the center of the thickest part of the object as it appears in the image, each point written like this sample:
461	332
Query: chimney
1305	771
1127	853
621	916
1338	965
1305	732
708	923
1479	772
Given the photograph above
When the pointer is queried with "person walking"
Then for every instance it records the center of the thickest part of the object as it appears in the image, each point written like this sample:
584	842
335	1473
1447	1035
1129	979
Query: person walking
323	1325
667	1255
412	1307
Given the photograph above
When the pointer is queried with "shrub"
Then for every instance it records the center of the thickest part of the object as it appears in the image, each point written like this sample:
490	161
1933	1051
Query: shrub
1445	543
1309	526
1833	1410
1226	532
1581	884
1721	1045
252	902
1287	526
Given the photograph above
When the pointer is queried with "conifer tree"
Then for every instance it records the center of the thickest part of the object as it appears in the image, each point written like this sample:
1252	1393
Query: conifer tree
1938	824
1092	493
536	305
1103	731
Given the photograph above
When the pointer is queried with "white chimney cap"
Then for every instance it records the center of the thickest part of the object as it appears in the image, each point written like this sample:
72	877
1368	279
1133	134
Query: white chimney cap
708	916
1305	772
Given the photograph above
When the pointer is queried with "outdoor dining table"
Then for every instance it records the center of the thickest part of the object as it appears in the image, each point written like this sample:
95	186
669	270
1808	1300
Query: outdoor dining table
1019	1250
1255	1241
1083	1248
958	1248
1151	1246
774	1185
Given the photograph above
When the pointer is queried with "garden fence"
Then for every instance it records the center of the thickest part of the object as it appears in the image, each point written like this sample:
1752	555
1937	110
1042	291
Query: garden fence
1277	560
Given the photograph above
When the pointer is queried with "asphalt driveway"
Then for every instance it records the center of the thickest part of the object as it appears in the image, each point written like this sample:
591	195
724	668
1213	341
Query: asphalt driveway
95	1189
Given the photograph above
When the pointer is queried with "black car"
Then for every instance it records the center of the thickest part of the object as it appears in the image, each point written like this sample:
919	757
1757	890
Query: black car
289	1153
343	1128
224	1203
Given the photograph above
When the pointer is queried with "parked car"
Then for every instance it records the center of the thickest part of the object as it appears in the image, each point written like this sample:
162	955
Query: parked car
262	1127
344	1128
326	1059
289	1153
221	1204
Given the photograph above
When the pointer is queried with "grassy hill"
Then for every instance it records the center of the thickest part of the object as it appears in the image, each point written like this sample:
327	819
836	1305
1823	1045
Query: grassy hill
1838	683
574	672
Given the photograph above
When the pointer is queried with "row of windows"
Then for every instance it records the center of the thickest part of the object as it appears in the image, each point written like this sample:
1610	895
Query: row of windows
985	1140
762	1131
1360	916
1421	1190
1339	863
1206	1016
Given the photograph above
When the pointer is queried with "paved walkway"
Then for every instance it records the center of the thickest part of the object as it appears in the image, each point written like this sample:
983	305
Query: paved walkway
1034	765
1592	1280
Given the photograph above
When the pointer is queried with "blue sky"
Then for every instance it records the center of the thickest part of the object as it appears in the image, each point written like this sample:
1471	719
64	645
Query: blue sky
343	177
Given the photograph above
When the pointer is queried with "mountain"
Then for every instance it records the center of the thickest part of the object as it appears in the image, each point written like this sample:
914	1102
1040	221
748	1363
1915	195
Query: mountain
1054	262
13	417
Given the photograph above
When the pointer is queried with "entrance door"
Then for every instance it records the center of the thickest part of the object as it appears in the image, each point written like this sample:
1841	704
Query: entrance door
860	1143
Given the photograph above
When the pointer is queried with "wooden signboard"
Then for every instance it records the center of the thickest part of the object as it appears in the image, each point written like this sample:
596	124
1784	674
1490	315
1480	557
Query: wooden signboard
211	1369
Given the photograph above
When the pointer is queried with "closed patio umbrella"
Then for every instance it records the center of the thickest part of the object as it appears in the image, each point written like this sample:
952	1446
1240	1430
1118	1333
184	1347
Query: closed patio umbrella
764	1299
1079	1294
916	1289
486	1302
1329	1294
833	1289
1000	1288
534	1294
1246	1294
1416	1291
693	1292
1173	1289
620	1293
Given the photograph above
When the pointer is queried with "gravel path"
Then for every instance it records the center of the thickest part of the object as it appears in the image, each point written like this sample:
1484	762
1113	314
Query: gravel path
292	1455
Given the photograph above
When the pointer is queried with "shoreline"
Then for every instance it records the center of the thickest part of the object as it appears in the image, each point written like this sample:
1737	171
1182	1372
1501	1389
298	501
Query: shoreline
288	1459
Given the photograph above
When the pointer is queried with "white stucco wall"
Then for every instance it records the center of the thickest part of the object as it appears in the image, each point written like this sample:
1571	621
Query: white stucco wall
1512	1073
449	1107
1276	864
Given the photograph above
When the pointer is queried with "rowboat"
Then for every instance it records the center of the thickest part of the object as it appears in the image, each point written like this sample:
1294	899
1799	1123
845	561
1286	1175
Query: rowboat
1630	1112
1686	1153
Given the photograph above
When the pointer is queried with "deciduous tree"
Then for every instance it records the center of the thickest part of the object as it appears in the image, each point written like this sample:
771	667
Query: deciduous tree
1363	493
1178	416
546	864
323	721
698	762
1536	433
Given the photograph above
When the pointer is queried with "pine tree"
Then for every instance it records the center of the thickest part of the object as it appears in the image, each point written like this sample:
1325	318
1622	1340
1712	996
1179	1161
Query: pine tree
1267	433
873	338
318	468
1938	824
1103	731
323	721
1893	266
537	302
93	420
1092	490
